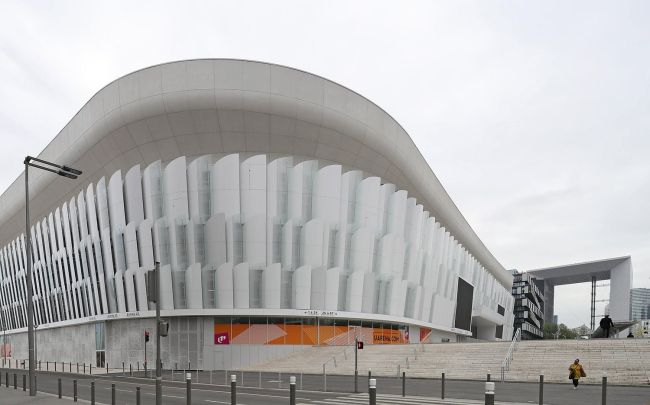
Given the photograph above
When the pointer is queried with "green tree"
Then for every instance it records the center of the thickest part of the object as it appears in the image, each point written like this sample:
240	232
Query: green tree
552	330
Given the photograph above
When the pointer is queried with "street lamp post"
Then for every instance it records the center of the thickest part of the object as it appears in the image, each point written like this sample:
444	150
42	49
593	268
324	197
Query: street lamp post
64	171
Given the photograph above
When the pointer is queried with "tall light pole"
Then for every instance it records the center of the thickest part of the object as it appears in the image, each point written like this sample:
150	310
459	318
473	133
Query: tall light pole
64	171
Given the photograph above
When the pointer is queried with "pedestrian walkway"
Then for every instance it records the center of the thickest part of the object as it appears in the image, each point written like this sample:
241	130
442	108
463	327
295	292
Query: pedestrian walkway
20	397
399	400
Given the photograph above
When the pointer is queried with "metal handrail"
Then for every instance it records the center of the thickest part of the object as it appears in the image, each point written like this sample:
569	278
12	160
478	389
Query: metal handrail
510	354
334	357
415	353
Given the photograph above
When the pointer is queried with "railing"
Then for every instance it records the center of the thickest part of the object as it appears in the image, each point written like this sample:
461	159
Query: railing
337	354
414	353
510	355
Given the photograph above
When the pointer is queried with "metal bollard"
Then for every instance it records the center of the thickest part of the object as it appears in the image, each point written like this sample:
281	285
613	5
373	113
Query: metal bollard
541	387
92	393
55	366
112	394
59	388
442	395
91	368
74	384
131	369
7	379
233	389
403	383
489	393
137	395
24	382
604	388
138	366
47	366
106	367
372	391
369	377
488	376
15	381
188	378
292	390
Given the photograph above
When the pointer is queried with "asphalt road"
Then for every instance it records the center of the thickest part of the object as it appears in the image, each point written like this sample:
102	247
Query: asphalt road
273	388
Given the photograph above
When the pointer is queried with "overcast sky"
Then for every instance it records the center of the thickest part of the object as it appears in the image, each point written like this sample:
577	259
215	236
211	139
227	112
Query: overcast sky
535	116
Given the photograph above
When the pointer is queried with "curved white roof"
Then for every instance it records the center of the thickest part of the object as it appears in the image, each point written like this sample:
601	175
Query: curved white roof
222	106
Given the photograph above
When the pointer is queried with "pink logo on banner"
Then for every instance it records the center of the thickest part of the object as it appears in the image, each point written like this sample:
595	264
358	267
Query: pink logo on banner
406	335
221	339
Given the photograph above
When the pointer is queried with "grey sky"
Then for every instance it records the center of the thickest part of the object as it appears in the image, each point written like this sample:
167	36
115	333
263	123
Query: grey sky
534	116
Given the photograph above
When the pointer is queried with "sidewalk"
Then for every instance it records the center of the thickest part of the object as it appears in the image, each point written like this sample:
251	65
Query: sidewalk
11	396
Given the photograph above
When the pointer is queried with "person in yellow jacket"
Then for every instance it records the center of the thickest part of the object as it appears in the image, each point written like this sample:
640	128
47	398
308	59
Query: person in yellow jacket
575	372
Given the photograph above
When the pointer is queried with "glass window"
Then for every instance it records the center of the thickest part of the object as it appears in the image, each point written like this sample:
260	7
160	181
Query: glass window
293	328
100	336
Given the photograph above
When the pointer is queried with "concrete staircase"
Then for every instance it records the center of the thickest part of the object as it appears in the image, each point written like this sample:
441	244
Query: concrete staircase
460	360
627	361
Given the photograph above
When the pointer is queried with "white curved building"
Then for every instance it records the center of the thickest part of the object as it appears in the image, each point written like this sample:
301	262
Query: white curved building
285	210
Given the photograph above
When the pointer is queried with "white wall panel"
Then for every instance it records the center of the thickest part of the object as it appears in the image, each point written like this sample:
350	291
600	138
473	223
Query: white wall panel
225	287
193	287
327	194
166	287
152	192
225	186
318	285
370	291
145	245
332	289
397	213
120	292
312	242
272	286
241	283
133	202
198	187
362	251
301	288
215	240
366	210
354	298
116	202
299	204
254	240
131	247
129	290
140	284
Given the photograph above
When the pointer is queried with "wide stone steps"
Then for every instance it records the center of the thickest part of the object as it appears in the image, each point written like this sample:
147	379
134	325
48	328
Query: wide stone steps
626	361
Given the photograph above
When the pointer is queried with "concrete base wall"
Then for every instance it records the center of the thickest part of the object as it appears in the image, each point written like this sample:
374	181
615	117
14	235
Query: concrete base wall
182	349
75	344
